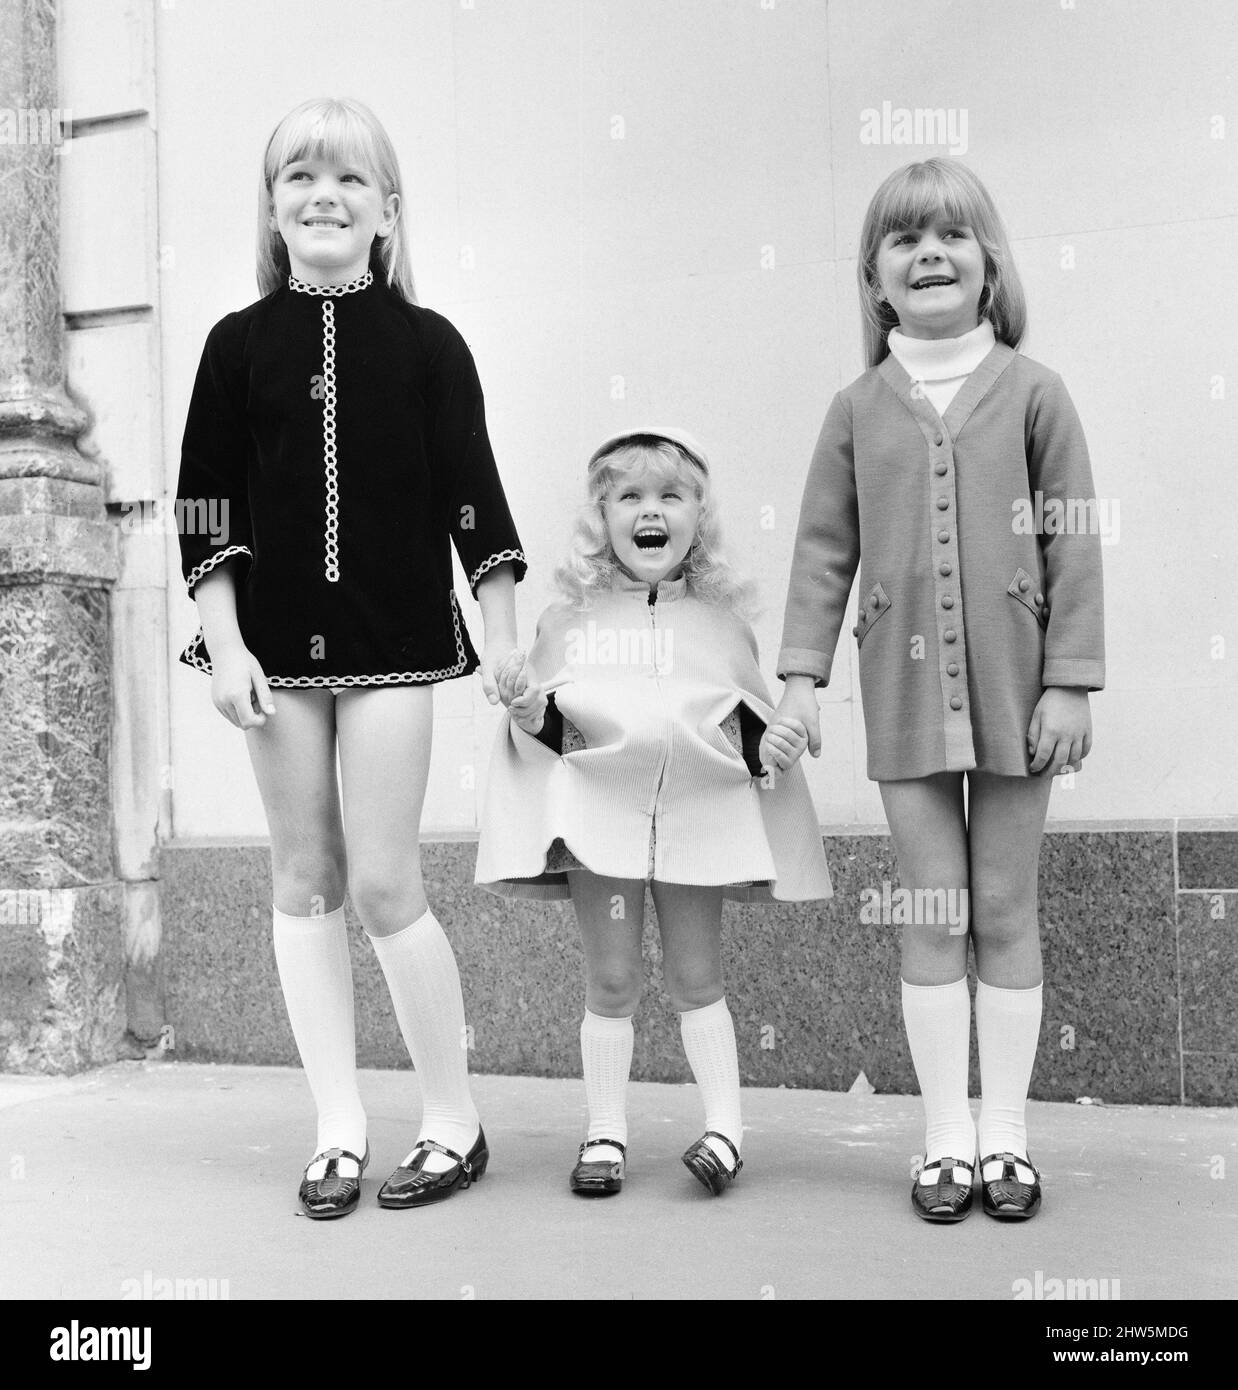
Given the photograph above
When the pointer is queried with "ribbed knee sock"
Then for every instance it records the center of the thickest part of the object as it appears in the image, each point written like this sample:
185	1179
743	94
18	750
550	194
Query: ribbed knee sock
938	1022
709	1043
311	954
606	1060
1007	1030
421	973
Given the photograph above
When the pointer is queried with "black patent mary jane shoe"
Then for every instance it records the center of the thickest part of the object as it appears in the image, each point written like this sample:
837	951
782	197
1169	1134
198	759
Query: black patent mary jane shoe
602	1178
1009	1198
333	1194
945	1200
411	1186
704	1164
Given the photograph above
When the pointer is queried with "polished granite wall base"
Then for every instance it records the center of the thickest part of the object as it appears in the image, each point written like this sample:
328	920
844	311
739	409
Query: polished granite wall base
1140	972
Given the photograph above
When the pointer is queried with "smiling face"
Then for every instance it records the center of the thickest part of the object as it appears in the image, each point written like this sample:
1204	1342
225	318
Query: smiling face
328	214
651	519
932	276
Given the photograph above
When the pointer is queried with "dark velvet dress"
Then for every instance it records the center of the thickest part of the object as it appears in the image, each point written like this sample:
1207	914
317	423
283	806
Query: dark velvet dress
336	446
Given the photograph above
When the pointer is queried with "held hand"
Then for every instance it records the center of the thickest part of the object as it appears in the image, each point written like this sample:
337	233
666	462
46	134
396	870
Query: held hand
798	706
528	709
783	744
496	657
511	676
239	689
1060	734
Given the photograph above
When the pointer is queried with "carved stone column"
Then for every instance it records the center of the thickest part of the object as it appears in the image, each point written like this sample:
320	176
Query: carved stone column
61	934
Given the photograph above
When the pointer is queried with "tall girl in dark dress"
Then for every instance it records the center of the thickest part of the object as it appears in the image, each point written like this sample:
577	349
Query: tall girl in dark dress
342	428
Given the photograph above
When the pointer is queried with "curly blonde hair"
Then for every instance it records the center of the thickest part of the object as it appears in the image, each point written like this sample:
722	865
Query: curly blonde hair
591	564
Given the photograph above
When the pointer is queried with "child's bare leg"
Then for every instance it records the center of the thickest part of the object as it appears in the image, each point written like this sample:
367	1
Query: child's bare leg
1006	823
930	841
611	915
385	738
930	844
690	920
293	757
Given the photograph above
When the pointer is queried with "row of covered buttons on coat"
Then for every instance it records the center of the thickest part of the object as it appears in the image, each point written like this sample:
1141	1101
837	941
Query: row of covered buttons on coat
952	646
945	571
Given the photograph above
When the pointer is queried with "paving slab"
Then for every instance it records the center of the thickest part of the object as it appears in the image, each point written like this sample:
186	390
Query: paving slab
118	1179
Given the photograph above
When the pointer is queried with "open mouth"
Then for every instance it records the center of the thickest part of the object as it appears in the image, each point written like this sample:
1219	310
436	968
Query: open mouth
651	540
931	282
323	222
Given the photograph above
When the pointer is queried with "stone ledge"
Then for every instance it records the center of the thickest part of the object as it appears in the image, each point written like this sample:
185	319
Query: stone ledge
814	992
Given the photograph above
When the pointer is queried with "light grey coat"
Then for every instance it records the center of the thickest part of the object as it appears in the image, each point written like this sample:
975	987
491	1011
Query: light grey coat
965	616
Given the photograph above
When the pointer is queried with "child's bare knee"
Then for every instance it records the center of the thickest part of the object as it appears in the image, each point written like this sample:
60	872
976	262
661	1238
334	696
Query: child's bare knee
1002	913
686	1001
308	880
386	903
614	992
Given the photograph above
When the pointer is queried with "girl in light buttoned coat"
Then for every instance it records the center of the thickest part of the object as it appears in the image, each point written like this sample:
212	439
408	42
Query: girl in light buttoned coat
640	748
979	640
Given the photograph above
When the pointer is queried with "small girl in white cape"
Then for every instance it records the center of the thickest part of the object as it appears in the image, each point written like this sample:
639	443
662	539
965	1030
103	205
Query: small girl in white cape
640	748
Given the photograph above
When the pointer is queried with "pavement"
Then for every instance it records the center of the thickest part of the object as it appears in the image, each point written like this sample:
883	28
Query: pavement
116	1180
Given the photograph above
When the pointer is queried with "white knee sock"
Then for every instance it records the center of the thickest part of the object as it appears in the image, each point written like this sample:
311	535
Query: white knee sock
311	954
606	1058
938	1023
1007	1030
709	1043
420	969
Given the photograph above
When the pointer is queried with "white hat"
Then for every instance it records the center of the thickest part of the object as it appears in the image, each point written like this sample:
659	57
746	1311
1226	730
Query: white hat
679	437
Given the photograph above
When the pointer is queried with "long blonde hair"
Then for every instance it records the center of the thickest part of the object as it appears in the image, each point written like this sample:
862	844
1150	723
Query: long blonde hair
341	132
912	196
591	563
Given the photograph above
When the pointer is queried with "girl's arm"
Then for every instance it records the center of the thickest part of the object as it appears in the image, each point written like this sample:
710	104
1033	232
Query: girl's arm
239	690
466	477
1060	732
496	593
827	552
1058	467
527	684
212	491
213	524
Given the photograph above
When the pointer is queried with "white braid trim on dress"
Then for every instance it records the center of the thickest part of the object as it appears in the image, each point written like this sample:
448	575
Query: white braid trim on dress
362	282
218	558
489	564
191	655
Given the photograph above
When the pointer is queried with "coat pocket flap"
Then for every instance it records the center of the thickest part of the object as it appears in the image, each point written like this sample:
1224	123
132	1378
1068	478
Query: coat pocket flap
1025	588
874	607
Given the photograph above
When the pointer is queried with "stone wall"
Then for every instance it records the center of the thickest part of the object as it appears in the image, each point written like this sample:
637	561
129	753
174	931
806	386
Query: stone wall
1141	969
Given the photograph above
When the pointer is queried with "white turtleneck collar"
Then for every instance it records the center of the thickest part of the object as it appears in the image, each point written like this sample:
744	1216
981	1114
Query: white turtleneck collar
942	365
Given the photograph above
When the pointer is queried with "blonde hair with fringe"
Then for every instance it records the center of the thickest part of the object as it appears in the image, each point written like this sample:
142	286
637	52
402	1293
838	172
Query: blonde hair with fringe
340	132
907	199
591	564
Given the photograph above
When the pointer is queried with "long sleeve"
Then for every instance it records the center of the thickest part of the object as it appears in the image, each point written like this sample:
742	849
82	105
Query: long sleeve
827	552
1060	472
465	474
212	492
